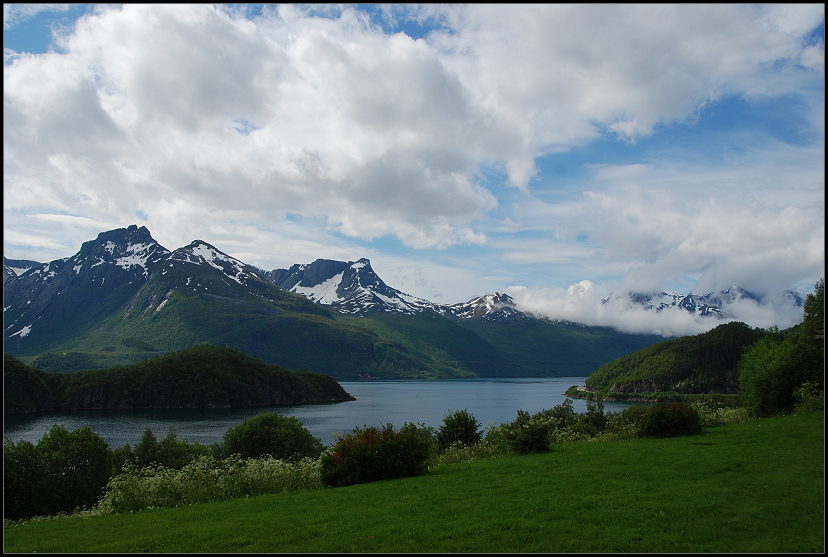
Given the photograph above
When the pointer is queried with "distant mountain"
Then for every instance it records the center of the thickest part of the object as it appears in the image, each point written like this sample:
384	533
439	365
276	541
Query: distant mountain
124	298
714	304
491	307
353	288
350	288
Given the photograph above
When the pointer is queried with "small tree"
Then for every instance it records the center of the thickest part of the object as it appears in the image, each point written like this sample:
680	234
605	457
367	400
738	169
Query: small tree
771	371
22	479
146	452
272	434
76	468
459	426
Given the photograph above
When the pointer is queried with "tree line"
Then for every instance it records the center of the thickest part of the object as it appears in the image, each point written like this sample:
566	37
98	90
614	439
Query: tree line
202	376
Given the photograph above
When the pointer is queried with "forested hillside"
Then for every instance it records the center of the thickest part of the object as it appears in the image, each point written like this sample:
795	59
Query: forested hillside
202	376
702	363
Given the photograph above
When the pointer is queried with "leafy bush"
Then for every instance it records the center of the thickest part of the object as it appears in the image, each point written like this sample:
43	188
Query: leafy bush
773	369
564	413
530	434
459	426
272	434
64	471
372	454
593	421
634	414
22	474
669	420
537	432
170	451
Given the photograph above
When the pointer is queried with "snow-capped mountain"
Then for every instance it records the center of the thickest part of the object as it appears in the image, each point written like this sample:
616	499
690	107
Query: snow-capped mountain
491	307
348	287
354	288
127	269
713	304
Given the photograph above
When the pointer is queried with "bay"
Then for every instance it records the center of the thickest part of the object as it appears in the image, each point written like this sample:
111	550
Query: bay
377	402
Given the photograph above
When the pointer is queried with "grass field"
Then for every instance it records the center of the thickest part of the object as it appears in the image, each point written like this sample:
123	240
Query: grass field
752	487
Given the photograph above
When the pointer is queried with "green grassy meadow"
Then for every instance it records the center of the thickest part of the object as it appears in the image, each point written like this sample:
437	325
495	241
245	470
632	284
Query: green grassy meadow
751	487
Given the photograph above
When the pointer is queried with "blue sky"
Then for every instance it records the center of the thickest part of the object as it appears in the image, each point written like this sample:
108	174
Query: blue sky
557	153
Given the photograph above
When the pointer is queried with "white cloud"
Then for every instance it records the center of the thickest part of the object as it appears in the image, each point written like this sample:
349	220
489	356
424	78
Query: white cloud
292	136
584	303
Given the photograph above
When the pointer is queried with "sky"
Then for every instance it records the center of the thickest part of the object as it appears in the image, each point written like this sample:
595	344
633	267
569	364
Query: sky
558	153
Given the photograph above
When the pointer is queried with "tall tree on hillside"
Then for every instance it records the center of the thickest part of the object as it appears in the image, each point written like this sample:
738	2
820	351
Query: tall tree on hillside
773	369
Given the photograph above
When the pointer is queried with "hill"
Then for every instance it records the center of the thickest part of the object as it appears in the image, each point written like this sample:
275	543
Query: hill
202	376
702	363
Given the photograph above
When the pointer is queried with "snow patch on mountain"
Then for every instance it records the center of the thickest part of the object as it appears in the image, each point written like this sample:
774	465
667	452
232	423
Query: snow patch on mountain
323	293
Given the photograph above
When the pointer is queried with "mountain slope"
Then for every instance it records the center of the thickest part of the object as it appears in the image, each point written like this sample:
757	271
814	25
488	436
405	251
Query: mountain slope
694	364
556	349
124	298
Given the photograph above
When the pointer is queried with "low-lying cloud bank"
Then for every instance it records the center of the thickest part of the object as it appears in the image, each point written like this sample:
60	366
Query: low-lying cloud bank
583	303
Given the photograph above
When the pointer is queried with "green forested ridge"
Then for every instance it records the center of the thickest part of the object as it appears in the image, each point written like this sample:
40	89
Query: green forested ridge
202	376
381	344
479	348
702	363
548	349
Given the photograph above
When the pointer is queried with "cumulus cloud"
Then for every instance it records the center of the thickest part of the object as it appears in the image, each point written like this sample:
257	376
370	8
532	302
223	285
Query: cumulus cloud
596	305
305	127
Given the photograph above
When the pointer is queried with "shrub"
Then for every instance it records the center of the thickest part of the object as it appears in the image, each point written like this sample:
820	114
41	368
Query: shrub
169	452
773	369
634	414
564	413
531	434
66	470
272	434
669	420
22	476
593	421
372	454
459	427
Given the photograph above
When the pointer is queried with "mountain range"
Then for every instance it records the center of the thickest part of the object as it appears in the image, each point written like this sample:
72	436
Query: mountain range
713	304
123	298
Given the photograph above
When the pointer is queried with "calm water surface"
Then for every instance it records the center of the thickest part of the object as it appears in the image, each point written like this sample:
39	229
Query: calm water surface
377	402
